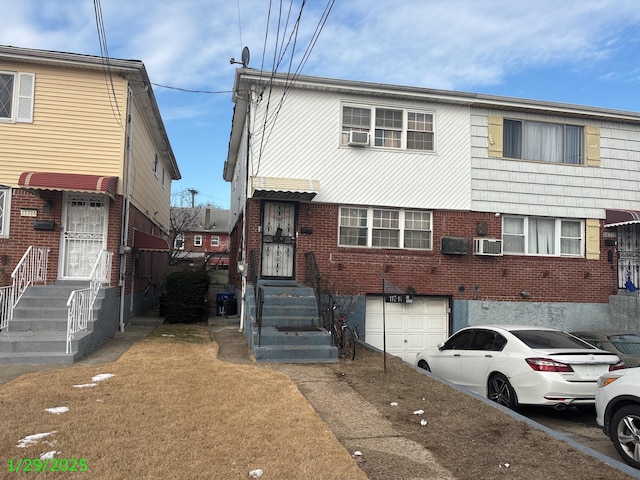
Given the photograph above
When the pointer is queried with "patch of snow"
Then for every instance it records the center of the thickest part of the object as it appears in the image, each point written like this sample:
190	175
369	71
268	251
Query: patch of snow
357	453
48	455
32	439
394	404
102	376
418	412
257	473
167	335
57	410
85	385
423	422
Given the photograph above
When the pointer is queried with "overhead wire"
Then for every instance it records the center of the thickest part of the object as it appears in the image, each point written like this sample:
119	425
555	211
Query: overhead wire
104	54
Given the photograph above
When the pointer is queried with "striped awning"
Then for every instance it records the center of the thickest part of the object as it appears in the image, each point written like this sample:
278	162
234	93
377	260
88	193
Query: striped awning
148	242
616	218
69	182
284	188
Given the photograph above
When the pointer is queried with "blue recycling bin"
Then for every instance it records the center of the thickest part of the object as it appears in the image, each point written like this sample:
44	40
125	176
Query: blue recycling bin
222	301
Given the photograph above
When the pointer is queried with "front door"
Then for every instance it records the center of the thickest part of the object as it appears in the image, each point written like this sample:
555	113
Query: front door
84	232
278	239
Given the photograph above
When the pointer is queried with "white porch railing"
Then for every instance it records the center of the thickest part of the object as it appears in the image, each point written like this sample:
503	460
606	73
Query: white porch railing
31	269
80	303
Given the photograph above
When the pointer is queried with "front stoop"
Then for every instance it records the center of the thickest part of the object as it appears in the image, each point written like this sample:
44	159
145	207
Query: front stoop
37	334
291	331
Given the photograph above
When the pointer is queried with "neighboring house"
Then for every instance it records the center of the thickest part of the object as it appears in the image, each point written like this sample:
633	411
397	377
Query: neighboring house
200	234
472	209
85	173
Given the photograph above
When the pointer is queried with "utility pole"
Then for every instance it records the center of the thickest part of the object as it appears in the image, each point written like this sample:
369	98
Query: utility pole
193	193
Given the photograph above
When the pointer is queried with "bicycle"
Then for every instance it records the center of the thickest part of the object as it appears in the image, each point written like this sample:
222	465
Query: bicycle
342	335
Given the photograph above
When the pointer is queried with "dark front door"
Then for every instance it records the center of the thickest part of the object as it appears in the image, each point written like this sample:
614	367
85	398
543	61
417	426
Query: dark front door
278	239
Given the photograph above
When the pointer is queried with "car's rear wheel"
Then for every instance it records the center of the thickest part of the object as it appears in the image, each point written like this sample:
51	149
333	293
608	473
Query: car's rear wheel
424	364
625	434
501	391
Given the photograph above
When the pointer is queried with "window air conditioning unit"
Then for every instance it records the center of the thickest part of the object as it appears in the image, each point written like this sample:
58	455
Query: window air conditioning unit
358	139
487	246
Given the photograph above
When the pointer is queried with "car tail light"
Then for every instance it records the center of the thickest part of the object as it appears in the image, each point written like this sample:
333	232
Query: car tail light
547	365
617	366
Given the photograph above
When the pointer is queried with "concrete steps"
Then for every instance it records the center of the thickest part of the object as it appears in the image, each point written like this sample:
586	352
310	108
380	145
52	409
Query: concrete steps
291	331
37	333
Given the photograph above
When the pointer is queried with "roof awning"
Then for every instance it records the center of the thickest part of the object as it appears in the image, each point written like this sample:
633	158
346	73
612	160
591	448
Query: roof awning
69	182
148	242
284	188
616	218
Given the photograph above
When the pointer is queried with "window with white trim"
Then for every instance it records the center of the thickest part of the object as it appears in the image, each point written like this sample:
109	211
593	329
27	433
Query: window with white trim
155	165
542	141
542	236
197	240
385	228
5	208
16	96
390	127
178	242
215	241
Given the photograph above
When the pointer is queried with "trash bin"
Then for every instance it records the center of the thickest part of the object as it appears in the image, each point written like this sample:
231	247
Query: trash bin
230	306
221	298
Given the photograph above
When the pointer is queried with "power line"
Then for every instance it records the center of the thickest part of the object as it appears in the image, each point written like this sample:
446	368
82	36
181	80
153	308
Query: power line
191	91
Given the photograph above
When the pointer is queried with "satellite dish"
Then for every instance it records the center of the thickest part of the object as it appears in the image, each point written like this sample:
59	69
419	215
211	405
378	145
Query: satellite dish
245	57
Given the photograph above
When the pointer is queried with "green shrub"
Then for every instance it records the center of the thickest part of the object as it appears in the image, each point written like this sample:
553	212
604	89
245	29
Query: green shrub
186	297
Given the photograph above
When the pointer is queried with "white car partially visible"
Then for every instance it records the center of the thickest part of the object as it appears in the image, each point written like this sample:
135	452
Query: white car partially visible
618	412
521	365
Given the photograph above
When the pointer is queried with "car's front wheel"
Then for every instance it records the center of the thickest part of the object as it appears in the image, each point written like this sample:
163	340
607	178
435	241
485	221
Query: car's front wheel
424	364
501	391
625	434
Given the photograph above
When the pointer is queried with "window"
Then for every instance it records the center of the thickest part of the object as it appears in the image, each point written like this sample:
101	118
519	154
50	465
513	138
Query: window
197	240
178	242
393	128
163	176
155	165
542	236
547	142
385	228
16	96
215	241
5	197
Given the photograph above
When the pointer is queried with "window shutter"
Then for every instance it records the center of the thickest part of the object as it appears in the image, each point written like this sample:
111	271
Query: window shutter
593	239
495	136
26	84
592	135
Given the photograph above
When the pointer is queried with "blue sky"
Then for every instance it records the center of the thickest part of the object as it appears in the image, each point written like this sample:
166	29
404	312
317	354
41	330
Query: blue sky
582	52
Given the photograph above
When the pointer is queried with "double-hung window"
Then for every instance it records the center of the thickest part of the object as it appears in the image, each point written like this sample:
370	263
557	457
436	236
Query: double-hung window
542	141
396	128
178	242
5	197
16	96
215	241
385	228
542	236
197	240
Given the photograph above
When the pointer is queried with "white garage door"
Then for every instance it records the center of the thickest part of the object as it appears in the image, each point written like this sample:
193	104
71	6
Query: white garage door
409	327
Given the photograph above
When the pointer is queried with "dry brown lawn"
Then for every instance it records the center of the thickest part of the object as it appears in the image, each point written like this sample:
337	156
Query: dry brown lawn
172	410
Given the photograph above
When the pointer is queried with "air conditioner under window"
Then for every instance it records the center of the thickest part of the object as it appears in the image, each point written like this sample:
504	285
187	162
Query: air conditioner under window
358	139
487	246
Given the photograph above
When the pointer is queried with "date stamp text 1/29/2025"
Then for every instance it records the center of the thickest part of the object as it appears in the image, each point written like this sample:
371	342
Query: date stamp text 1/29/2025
48	465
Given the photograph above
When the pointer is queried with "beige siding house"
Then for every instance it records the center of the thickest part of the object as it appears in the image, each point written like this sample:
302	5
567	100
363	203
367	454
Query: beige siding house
85	186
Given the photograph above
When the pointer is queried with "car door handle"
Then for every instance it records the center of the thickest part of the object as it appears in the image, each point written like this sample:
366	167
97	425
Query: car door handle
488	356
456	354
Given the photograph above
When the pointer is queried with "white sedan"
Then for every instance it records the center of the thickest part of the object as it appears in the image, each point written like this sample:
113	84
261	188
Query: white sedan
521	365
618	412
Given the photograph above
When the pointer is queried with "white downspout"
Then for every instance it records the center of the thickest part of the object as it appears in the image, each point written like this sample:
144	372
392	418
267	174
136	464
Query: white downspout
126	199
245	263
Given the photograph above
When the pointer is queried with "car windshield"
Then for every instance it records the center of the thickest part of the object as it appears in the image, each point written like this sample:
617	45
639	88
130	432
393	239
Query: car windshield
628	343
549	339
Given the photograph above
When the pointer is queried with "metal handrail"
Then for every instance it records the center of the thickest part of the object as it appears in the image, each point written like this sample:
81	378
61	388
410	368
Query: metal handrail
80	303
31	269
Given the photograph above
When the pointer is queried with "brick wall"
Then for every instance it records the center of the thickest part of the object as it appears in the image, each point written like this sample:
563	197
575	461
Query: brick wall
463	277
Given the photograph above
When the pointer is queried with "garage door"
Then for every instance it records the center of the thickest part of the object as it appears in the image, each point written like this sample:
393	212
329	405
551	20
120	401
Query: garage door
409	327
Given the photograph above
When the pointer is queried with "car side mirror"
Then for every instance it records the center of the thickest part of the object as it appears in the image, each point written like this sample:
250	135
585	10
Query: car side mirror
440	345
